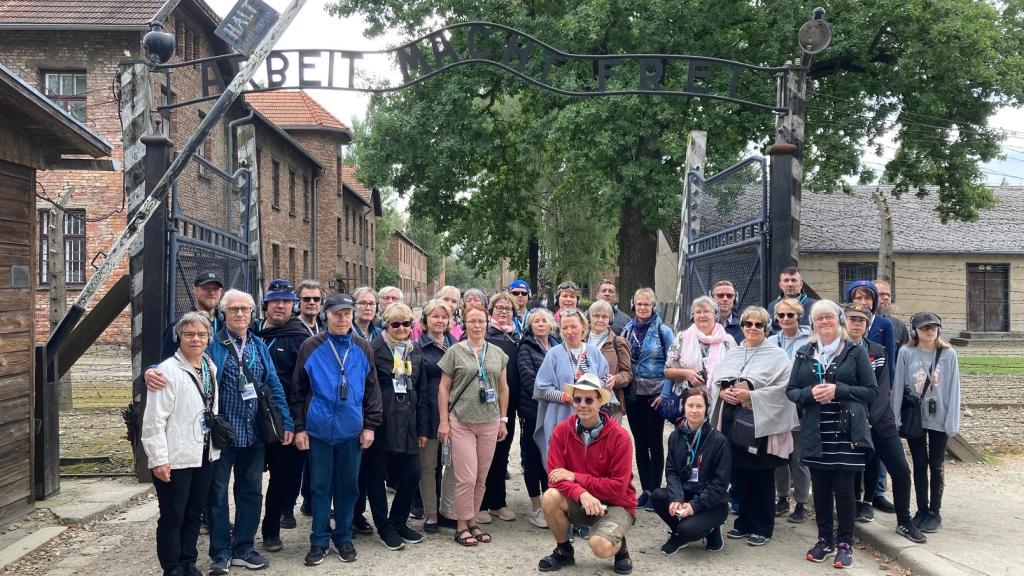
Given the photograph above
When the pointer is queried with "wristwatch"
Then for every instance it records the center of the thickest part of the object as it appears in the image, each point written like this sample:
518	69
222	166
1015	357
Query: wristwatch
504	419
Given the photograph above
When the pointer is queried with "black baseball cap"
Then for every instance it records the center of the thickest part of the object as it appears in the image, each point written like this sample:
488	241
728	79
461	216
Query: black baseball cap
206	278
339	301
925	318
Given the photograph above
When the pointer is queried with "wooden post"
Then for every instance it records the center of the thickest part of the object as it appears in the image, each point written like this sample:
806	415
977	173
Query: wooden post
696	152
56	278
885	247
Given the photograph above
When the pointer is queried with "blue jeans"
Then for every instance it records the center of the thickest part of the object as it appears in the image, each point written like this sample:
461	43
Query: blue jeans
333	473
247	463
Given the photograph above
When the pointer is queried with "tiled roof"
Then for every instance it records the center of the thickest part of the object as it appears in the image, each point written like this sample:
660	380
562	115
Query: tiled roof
850	222
294	108
79	12
348	176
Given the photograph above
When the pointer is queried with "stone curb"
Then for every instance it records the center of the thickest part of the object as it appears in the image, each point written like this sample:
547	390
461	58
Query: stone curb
914	557
28	544
80	507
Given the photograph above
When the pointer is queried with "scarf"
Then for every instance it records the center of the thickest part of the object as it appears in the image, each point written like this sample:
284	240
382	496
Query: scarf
639	333
826	352
506	328
692	357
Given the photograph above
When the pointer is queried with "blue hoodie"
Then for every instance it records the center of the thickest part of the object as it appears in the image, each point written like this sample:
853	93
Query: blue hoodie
881	331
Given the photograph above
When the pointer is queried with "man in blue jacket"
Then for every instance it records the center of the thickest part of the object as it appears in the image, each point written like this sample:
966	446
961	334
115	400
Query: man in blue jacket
243	365
337	406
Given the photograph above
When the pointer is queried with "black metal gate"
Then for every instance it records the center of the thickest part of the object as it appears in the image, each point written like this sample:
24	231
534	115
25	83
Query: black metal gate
727	233
209	231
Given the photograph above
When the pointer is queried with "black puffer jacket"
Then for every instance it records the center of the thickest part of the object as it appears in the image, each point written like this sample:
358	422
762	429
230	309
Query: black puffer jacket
855	388
713	468
428	417
509	344
399	430
283	342
531	356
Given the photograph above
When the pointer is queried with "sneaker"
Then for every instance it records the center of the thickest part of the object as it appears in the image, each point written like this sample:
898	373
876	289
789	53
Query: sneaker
918	518
316	555
757	540
912	533
537	518
713	541
409	535
272	544
736	534
673	544
220	566
844	556
288	520
865	513
932	523
416	512
390	539
584	532
361	526
643	499
484	517
823	549
347	551
191	570
431	527
782	506
504	513
883	505
251	560
799	515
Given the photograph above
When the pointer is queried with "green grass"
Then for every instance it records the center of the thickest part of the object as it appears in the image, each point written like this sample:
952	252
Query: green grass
1001	365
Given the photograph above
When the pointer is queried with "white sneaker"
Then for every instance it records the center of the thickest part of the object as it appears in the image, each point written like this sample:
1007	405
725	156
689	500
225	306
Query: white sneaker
537	518
483	517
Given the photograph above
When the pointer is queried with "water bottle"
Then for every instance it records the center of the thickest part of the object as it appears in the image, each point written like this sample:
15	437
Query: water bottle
446	454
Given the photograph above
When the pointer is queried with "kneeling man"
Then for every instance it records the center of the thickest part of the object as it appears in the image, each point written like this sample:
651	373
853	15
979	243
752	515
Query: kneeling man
590	459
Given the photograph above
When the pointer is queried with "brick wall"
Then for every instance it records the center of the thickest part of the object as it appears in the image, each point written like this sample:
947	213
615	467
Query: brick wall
411	264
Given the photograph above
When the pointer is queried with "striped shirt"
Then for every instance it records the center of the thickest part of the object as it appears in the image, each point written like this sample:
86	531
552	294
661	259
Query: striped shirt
837	452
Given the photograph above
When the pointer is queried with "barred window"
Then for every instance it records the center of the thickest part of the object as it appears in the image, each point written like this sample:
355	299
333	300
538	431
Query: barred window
74	246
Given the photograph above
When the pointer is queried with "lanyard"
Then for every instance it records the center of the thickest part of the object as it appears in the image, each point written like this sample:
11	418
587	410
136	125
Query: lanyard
575	363
695	446
207	384
341	360
787	347
240	353
313	330
480	361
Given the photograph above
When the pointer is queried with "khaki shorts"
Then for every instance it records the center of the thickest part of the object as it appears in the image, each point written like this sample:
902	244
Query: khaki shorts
612	526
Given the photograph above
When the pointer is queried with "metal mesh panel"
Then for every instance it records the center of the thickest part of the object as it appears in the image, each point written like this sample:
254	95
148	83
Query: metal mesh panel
727	232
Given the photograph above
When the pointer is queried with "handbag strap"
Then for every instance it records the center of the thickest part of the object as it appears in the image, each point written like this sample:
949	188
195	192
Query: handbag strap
207	400
928	377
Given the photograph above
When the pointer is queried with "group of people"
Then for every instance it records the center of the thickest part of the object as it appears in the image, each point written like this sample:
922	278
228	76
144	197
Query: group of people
345	397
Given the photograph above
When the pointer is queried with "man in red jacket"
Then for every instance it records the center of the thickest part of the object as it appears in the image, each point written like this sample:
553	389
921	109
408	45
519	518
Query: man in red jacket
590	459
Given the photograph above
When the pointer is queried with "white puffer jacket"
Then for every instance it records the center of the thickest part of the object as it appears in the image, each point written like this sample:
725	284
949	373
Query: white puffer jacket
172	430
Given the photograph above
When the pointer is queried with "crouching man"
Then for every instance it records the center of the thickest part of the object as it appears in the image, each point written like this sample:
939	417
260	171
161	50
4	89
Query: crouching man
590	459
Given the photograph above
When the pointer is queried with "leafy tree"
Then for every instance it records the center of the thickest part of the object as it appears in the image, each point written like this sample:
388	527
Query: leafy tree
496	162
387	276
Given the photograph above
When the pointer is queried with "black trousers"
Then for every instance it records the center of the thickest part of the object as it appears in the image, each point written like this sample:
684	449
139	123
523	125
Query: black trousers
534	475
755	492
888	451
834	487
181	501
928	452
404	472
286	464
694	527
494	487
648	430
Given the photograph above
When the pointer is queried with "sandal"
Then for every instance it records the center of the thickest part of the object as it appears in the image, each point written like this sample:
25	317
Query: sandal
555	561
466	538
480	535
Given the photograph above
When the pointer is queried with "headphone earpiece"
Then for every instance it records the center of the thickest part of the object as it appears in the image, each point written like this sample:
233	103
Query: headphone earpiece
632	307
842	318
579	427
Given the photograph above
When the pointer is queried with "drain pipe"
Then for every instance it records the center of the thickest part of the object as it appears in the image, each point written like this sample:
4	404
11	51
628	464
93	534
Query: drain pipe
313	227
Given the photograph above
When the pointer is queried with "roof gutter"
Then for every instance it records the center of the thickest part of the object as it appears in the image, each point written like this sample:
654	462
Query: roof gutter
77	27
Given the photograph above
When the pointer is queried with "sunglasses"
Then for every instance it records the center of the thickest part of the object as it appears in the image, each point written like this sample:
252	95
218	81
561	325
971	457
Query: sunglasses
782	315
725	295
310	298
520	293
569	286
396	325
749	324
589	400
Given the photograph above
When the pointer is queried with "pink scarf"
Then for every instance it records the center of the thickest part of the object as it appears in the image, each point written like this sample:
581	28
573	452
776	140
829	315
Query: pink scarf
717	346
506	328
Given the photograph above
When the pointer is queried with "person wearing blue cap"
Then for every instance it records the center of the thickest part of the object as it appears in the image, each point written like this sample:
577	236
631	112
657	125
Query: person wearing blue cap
283	333
520	291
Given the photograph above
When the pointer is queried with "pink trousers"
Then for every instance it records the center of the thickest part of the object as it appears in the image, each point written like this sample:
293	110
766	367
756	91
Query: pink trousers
472	452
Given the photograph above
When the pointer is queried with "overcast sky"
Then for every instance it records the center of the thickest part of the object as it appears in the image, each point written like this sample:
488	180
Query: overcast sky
314	28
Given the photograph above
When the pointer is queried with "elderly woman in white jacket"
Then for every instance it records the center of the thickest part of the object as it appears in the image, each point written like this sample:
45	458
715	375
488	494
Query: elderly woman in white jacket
177	443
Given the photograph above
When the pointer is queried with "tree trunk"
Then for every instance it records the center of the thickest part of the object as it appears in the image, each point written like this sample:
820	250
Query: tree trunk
638	251
534	259
885	247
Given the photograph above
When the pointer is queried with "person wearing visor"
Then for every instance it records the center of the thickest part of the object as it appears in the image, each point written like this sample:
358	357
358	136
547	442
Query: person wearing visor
590	473
337	407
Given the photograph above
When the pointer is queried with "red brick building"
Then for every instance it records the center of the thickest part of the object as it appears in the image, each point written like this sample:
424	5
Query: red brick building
357	230
410	261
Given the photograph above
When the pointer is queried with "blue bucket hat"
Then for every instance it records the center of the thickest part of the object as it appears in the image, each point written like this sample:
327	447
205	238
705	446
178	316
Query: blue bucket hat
280	289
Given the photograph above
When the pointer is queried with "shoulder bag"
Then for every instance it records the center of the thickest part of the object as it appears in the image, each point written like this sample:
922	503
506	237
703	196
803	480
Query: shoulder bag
911	421
222	433
268	413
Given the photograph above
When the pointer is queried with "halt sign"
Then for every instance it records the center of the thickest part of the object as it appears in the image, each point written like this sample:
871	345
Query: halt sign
246	25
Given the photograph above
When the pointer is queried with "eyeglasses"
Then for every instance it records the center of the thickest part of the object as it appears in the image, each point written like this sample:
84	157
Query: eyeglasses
504	309
195	335
826	317
518	293
310	298
725	295
782	315
749	324
475	322
239	310
366	304
569	286
884	295
397	325
589	400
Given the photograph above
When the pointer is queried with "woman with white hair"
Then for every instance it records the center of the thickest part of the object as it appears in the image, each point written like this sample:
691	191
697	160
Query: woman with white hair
696	351
616	352
834	383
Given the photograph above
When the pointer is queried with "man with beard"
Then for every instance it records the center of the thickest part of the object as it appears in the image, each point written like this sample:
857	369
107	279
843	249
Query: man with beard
206	291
